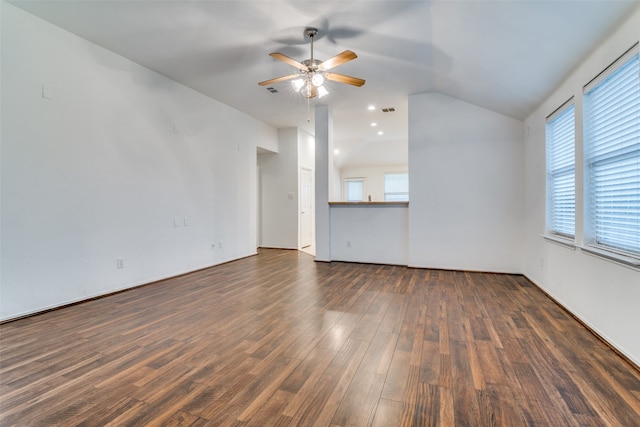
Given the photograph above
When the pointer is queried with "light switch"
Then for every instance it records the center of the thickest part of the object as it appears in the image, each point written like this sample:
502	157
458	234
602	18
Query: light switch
47	92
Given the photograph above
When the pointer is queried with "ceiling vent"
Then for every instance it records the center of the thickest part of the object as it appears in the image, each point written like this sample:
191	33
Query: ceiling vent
388	110
272	89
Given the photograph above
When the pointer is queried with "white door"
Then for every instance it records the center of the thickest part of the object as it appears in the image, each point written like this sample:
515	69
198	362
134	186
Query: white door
305	208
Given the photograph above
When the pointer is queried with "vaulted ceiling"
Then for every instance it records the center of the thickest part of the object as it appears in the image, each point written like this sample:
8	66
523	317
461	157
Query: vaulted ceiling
506	56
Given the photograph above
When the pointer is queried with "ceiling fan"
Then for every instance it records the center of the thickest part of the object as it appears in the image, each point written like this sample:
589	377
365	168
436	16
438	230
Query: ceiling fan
309	80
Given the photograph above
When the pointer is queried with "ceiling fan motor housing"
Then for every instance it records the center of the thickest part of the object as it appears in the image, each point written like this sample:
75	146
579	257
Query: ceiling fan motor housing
311	66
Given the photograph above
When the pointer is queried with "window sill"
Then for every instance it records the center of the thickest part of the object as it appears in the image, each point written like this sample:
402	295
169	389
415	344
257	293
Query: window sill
569	243
627	261
624	260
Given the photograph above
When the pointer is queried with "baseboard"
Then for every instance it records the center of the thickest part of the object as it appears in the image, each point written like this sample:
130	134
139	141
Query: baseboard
115	292
278	247
588	327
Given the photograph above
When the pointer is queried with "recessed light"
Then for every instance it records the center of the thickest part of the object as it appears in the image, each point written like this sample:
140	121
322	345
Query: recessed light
380	132
336	151
371	107
374	124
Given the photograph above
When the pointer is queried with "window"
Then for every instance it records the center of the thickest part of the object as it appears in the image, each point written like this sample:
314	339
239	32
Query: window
396	187
561	168
354	189
612	157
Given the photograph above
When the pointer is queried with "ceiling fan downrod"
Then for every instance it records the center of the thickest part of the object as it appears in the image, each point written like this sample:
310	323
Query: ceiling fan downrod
311	33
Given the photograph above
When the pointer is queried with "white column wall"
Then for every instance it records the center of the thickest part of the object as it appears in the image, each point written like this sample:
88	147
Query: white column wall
323	180
465	186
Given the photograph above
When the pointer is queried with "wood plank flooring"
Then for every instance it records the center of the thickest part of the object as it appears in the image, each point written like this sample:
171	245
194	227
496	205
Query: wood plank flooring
279	340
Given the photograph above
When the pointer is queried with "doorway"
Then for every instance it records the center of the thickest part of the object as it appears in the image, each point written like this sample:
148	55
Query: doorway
306	208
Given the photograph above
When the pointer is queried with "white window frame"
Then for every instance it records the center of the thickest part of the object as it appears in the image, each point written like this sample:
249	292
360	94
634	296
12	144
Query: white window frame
561	172
345	188
605	160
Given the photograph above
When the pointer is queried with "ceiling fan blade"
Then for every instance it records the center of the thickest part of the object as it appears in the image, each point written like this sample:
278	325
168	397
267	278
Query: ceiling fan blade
339	59
278	79
284	58
341	78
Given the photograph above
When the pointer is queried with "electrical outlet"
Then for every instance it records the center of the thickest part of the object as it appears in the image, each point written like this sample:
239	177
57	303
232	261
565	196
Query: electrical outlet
348	243
120	263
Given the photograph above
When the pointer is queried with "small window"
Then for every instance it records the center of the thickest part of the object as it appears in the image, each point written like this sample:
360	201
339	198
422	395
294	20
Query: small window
354	189
612	157
561	169
396	187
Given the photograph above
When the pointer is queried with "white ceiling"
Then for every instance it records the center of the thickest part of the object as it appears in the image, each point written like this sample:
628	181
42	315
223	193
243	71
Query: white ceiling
506	56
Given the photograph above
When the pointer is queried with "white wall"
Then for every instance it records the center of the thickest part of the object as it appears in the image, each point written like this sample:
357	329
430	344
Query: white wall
279	193
603	294
373	151
102	169
465	186
369	233
374	178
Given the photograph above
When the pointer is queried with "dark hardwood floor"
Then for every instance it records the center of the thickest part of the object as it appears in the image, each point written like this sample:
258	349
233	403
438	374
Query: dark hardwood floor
279	340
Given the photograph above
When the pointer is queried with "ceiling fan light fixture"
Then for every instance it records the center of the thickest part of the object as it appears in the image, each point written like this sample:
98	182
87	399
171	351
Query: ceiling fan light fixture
322	91
317	79
307	91
297	84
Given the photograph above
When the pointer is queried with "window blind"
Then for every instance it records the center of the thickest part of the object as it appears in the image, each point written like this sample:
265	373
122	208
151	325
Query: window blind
561	181
354	190
396	187
612	157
